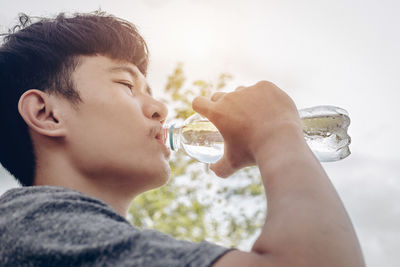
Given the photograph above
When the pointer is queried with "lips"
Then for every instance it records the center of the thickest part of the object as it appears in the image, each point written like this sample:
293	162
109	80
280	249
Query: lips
160	135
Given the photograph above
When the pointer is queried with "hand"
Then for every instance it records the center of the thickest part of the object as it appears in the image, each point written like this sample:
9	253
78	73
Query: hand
249	119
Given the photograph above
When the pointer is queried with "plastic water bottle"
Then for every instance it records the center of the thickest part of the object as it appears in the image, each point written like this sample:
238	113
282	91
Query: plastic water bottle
324	128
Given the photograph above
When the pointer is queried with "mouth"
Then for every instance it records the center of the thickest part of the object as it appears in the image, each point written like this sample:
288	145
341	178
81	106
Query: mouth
160	135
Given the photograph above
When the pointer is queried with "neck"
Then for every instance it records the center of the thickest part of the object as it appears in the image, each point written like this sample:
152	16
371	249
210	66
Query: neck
59	172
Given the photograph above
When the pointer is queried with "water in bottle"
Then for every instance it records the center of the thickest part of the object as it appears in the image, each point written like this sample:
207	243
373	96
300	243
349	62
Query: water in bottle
324	128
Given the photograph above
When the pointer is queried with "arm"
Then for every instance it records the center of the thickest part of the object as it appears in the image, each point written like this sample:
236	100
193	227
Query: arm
306	224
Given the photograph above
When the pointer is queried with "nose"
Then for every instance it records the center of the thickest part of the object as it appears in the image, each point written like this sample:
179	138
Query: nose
156	110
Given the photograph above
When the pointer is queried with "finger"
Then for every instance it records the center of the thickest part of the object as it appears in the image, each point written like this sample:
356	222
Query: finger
202	105
222	168
240	88
216	96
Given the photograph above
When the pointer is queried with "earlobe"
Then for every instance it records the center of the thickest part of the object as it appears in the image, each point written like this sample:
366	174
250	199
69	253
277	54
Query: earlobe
39	113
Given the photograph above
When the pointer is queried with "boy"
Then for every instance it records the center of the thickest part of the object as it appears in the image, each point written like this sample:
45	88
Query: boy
82	133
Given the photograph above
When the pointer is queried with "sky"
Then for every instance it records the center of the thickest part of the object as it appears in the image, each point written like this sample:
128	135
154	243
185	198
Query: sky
343	53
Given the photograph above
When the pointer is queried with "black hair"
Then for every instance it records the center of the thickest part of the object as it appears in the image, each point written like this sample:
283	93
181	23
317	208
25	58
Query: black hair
43	55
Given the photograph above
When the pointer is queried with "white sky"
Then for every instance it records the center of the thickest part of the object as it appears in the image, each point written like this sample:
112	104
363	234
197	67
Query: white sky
343	53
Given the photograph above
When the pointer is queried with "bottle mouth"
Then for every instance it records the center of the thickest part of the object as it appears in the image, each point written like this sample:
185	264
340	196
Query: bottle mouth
167	136
170	134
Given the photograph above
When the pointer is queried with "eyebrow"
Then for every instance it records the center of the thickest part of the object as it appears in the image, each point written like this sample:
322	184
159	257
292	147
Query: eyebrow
132	73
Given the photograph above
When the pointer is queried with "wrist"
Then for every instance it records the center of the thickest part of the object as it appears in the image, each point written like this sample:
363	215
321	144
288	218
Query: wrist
281	144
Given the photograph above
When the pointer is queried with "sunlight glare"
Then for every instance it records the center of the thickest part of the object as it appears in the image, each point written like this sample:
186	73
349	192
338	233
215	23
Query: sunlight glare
197	43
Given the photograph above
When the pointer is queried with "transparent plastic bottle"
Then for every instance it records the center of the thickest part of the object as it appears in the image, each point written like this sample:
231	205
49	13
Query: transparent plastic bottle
324	128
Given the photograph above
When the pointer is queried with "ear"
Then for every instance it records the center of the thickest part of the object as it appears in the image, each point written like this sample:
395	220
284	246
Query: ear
40	113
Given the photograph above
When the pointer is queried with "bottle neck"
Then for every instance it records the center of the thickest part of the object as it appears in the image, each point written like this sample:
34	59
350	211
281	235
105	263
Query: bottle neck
171	137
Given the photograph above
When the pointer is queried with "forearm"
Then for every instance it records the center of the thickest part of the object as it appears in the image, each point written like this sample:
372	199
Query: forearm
306	221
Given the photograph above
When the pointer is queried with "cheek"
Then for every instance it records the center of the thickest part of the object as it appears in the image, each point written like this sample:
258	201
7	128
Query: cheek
109	149
111	125
114	110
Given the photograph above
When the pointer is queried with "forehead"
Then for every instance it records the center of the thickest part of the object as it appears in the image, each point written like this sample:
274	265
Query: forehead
105	63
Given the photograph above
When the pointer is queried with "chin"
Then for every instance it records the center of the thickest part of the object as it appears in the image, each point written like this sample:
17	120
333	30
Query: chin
162	178
154	178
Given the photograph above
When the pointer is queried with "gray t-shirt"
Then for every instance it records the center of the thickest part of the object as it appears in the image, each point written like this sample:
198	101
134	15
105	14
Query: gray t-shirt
53	226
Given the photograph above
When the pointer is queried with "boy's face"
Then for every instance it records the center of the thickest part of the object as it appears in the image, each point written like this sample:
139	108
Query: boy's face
113	135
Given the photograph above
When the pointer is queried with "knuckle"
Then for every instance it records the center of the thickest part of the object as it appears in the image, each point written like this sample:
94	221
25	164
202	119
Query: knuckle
196	103
265	83
230	97
240	88
216	96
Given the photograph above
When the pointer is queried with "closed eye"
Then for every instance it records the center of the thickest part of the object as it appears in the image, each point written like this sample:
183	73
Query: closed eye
130	86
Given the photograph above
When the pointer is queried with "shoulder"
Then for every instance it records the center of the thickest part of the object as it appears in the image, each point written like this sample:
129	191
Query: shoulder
39	202
51	221
68	228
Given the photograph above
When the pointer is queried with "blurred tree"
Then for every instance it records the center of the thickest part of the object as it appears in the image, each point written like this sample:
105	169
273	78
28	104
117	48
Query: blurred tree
194	204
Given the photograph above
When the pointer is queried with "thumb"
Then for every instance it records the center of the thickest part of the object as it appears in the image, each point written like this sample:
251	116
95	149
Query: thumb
202	105
222	168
